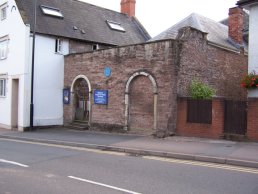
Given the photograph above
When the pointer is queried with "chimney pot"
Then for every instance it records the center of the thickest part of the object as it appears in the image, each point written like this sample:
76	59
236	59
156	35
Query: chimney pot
128	7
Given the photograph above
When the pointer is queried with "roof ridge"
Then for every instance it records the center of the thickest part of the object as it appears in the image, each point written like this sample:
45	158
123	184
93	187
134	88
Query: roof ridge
195	17
99	7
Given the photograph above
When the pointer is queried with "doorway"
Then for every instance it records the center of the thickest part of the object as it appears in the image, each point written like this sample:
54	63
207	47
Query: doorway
81	100
15	104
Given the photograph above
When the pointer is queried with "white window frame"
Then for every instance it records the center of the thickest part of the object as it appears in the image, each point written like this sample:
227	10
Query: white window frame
115	26
2	87
3	11
59	46
3	48
51	11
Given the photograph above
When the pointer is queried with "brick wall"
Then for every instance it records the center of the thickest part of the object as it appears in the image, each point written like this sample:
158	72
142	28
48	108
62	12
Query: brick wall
172	63
219	68
252	121
155	58
80	47
214	130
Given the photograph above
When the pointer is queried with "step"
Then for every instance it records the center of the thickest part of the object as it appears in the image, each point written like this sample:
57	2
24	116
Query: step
78	125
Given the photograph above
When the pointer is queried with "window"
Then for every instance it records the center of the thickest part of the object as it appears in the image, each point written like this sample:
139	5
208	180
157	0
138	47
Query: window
115	26
3	49
95	47
51	11
3	13
2	87
59	46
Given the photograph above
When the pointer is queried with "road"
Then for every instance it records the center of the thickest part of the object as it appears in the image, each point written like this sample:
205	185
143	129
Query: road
34	168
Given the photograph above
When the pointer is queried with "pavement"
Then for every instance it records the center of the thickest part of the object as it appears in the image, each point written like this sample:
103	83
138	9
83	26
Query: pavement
187	148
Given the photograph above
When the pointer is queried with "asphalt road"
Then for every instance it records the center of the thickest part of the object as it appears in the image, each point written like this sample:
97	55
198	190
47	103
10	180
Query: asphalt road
32	168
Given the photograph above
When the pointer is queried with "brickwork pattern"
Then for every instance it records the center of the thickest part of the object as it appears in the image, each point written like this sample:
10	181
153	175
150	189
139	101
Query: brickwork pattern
155	58
252	121
214	130
219	68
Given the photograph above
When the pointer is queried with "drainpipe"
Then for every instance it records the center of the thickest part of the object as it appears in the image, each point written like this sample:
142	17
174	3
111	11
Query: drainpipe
32	68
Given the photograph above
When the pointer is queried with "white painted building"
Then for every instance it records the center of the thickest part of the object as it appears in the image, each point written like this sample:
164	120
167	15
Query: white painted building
62	28
252	7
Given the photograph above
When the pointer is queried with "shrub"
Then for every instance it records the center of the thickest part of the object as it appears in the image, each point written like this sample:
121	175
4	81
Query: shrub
199	90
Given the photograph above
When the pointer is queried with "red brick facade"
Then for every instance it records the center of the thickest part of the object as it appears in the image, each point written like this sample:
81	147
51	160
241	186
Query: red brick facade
214	130
252	121
167	68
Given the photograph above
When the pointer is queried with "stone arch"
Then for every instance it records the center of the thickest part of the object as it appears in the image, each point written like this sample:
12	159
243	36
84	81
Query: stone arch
89	95
127	95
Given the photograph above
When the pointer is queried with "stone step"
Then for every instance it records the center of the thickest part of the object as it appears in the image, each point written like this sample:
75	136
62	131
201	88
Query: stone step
78	125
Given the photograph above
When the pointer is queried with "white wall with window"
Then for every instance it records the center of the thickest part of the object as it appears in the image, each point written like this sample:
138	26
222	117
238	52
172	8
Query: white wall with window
2	87
3	11
49	80
14	64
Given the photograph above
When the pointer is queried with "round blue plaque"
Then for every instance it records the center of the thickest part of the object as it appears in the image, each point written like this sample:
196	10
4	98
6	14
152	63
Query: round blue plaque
107	71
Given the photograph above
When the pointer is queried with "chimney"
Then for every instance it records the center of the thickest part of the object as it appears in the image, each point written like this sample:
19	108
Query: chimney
128	7
236	24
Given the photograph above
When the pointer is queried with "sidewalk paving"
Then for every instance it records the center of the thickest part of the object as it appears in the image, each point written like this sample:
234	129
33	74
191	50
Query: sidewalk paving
199	149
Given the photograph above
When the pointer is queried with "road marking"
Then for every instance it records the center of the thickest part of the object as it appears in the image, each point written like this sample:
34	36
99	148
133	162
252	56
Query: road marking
204	164
171	160
13	163
94	150
103	185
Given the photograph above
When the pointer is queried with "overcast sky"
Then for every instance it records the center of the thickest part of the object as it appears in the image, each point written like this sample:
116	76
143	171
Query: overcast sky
158	15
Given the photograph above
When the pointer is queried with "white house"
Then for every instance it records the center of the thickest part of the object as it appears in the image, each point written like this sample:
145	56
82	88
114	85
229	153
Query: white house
62	27
252	6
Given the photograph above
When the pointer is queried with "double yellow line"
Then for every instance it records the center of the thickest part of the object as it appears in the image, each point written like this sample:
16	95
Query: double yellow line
204	164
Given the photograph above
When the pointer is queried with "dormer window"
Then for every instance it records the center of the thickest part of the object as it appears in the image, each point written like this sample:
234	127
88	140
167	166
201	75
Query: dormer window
3	11
51	11
115	26
59	46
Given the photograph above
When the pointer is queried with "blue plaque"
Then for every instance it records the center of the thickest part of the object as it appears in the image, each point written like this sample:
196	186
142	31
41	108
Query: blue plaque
107	71
66	96
101	97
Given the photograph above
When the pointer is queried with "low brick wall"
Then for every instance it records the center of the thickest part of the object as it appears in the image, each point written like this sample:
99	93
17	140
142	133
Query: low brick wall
214	130
252	119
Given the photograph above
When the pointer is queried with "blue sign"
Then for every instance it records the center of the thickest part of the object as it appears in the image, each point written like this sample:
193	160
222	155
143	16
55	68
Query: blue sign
107	71
66	96
101	97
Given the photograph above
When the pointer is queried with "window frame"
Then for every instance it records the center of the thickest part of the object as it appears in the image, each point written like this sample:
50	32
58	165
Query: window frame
115	26
59	46
3	12
51	11
3	48
2	87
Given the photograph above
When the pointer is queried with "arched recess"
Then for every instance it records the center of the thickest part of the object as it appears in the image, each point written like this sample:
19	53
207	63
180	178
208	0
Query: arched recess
73	95
127	94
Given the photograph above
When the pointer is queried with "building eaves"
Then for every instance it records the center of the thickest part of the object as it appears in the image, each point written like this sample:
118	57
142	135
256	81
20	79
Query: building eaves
82	21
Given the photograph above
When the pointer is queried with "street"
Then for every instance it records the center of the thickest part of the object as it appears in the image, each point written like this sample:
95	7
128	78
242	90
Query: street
38	168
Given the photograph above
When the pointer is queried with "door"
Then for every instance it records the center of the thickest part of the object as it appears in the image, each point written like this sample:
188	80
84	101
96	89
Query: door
15	103
81	100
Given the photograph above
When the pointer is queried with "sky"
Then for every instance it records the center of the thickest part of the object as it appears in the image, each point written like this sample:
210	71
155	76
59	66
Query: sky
158	15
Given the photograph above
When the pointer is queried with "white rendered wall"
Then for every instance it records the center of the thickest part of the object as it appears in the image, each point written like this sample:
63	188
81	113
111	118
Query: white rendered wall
253	45
48	82
16	66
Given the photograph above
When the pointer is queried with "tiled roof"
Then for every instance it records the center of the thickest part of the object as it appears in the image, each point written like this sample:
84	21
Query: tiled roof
216	32
89	20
